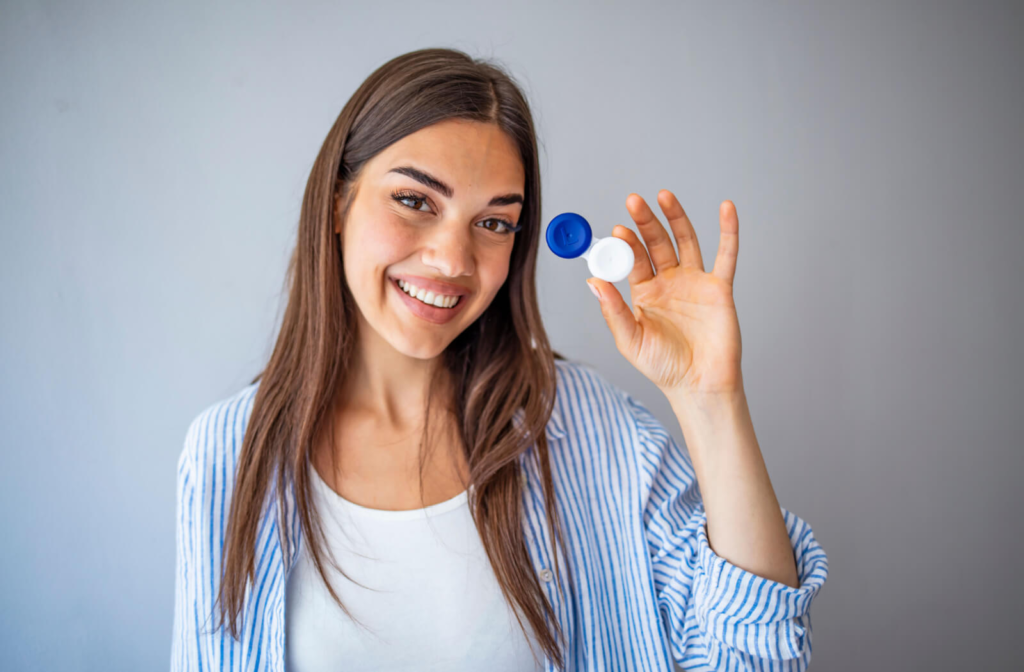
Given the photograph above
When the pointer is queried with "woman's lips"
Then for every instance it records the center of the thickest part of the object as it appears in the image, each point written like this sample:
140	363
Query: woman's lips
429	313
446	288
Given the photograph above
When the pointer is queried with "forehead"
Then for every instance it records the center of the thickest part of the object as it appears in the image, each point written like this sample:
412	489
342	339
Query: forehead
468	155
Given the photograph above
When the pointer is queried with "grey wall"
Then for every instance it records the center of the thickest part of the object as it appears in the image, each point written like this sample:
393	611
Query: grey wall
153	160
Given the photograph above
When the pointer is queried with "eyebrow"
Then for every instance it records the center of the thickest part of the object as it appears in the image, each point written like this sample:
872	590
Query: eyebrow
445	190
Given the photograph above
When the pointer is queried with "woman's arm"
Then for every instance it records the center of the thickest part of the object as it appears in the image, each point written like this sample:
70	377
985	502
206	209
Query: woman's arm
184	640
744	604
744	520
683	334
195	643
719	615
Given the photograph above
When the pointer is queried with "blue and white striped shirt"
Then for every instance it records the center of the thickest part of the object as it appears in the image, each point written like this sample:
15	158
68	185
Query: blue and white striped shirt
648	588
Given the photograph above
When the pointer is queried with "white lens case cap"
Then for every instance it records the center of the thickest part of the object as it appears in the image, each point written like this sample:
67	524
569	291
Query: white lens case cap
610	259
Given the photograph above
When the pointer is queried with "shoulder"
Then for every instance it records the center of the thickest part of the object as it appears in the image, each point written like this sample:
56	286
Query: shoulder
215	435
610	437
585	397
614	437
582	385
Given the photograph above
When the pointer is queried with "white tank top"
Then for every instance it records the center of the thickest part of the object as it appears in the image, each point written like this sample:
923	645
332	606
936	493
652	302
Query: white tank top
437	604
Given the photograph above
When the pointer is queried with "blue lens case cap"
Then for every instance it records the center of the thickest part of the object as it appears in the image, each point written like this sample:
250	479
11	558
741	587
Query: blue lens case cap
569	235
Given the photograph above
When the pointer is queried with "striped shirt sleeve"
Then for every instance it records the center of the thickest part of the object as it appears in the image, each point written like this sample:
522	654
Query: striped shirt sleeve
717	615
195	643
183	638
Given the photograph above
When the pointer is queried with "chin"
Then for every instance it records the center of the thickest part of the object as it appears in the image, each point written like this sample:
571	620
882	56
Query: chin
418	350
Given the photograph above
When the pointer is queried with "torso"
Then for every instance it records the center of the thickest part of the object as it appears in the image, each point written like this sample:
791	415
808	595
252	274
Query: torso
421	585
424	586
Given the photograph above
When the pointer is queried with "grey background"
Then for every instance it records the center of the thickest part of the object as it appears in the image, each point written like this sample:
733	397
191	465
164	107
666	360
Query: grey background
153	161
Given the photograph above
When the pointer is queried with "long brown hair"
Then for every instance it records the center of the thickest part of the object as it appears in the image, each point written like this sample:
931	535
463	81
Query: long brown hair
500	364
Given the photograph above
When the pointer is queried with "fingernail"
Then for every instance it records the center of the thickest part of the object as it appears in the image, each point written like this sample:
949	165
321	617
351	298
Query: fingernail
594	290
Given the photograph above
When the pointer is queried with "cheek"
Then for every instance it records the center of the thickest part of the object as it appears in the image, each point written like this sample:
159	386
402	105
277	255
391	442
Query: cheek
494	269
372	245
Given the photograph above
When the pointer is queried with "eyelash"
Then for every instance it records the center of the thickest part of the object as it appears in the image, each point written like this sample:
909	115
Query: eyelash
400	196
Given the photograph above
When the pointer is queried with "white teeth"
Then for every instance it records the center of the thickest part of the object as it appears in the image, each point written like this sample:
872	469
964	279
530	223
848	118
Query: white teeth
438	300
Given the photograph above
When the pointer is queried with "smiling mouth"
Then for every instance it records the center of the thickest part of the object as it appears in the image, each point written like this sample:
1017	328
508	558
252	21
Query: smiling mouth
426	297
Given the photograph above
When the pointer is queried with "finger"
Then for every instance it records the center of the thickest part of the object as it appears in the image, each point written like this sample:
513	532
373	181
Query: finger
686	238
621	321
728	242
659	244
642	269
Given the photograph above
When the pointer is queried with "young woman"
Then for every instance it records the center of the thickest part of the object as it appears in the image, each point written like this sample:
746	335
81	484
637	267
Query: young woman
416	481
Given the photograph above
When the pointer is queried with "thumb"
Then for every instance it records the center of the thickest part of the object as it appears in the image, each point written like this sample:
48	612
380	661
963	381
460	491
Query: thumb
617	314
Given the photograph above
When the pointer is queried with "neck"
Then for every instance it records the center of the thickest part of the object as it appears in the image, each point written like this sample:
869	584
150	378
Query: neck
388	384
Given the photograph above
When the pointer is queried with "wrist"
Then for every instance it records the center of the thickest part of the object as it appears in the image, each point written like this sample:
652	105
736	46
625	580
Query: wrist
687	403
709	420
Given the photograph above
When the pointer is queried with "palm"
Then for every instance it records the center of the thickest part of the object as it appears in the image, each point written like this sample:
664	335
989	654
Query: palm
683	332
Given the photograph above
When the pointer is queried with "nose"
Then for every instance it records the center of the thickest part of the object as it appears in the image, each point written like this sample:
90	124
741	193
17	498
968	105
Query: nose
449	250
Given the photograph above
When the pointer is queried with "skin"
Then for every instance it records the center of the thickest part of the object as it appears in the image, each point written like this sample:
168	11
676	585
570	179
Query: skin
379	414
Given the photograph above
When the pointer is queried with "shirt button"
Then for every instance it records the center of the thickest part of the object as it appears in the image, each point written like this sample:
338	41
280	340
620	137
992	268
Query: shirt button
545	575
523	479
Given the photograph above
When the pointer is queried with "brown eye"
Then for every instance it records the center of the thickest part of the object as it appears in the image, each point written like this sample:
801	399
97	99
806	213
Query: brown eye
401	197
504	227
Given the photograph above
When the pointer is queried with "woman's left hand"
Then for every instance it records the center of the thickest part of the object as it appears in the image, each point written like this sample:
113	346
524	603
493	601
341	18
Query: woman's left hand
683	332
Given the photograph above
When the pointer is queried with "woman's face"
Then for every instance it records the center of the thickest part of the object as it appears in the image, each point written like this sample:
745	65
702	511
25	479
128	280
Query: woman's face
432	214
